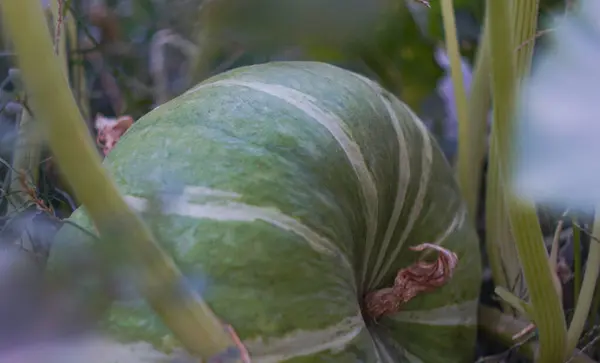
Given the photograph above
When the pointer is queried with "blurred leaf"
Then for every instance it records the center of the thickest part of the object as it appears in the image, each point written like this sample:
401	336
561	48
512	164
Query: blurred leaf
271	24
560	128
379	39
403	60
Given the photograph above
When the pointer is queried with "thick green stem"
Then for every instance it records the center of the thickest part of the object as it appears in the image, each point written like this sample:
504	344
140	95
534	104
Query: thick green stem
190	319
586	295
546	304
502	252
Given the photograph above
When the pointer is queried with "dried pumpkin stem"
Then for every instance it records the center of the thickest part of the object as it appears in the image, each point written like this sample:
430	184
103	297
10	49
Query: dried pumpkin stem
418	278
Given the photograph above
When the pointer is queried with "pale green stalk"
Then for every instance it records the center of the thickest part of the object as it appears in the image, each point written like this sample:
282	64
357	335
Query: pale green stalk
546	304
584	302
466	178
501	250
190	319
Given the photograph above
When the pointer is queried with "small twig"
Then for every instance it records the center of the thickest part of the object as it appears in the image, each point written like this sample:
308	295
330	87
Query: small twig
31	192
537	35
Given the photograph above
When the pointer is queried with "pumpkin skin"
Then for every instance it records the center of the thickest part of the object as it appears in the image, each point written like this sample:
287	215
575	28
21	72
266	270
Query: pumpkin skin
306	186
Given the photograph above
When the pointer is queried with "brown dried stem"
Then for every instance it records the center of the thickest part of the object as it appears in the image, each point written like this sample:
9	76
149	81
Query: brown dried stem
411	281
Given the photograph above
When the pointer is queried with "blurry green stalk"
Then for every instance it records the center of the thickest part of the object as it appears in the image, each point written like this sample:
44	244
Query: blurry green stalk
190	319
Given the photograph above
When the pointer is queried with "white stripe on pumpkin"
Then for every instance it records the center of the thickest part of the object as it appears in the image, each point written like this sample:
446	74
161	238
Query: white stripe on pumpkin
338	129
305	343
426	162
457	222
239	212
208	192
463	314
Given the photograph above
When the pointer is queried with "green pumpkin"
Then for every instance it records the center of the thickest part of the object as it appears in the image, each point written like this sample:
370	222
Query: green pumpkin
306	185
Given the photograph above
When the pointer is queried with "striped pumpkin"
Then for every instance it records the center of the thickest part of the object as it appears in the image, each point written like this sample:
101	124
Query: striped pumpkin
305	186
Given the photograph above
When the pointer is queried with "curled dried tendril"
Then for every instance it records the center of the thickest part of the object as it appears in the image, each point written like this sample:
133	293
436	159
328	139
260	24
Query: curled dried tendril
420	277
110	130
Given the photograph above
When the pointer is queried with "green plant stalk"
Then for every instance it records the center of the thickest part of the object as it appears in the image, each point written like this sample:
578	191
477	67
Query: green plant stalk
499	240
527	27
546	304
582	309
577	260
502	327
465	175
190	319
501	250
519	305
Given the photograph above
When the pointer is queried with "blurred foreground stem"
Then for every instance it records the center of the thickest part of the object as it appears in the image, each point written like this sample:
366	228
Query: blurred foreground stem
546	304
190	319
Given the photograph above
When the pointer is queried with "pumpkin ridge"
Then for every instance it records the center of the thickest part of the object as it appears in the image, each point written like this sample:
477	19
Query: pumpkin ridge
235	211
402	188
426	164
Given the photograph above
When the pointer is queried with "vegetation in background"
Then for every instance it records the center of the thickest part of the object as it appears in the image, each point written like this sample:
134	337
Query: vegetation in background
126	57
